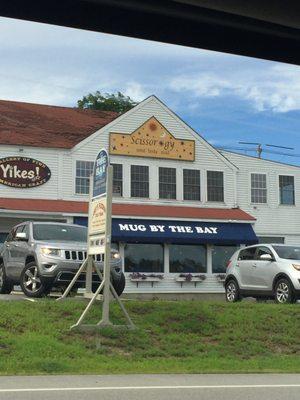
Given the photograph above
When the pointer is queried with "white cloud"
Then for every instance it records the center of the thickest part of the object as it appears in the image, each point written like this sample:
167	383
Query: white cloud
276	87
136	91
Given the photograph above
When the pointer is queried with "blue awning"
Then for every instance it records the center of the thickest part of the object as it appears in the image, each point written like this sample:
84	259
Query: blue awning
183	232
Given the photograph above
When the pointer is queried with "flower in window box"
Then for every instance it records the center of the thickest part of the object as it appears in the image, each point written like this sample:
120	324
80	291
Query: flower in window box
221	277
189	277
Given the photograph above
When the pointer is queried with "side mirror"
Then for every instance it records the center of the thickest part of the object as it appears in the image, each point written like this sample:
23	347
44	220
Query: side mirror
21	236
266	257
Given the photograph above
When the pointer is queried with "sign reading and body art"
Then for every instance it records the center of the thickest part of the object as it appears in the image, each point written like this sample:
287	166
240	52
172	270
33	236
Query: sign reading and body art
152	139
98	205
23	172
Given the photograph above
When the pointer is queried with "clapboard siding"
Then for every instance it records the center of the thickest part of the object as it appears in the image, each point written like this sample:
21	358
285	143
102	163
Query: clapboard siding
206	158
272	218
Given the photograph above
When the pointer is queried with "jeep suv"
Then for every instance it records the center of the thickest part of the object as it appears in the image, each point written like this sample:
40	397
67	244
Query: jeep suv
41	255
266	271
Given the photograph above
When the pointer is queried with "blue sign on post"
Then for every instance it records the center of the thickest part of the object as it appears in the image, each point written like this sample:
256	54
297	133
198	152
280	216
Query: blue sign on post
100	174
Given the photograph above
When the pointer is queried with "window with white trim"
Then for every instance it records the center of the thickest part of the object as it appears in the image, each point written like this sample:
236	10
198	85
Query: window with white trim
215	186
258	188
139	181
286	189
191	184
167	183
117	189
84	170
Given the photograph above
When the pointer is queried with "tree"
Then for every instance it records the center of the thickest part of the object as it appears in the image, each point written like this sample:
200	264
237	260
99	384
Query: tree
106	102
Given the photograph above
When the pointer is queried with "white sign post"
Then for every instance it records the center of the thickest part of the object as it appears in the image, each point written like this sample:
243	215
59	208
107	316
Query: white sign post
99	242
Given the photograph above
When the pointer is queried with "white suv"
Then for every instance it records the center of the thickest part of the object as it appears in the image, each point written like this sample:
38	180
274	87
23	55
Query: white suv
264	271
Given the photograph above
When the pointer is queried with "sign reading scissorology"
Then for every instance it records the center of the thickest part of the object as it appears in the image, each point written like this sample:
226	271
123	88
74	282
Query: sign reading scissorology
100	174
23	172
152	139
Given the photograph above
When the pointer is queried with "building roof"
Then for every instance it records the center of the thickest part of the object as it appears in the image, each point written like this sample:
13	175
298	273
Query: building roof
132	210
38	125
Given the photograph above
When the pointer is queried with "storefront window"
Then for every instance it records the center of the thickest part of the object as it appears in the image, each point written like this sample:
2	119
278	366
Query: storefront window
187	258
3	236
141	257
220	257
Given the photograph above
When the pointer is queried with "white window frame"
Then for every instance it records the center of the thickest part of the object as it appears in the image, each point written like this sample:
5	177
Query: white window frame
267	187
278	192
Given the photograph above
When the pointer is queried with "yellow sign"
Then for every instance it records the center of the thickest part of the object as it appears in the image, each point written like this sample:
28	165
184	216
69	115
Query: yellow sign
152	140
97	216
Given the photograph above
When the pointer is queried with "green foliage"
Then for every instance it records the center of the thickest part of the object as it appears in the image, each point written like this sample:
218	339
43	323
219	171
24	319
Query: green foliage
172	337
106	102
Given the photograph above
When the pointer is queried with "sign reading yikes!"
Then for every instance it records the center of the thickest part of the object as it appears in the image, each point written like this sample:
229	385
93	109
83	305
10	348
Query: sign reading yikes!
23	172
152	139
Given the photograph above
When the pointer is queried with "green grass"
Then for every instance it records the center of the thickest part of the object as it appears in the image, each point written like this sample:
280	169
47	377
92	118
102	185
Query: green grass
172	337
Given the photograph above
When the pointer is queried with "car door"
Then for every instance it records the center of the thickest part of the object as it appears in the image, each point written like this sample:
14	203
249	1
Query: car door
15	253
245	265
263	270
21	251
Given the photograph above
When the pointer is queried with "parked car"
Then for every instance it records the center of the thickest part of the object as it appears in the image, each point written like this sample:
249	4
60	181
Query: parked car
40	255
264	271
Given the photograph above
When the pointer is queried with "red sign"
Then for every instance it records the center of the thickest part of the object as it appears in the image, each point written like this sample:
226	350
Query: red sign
23	172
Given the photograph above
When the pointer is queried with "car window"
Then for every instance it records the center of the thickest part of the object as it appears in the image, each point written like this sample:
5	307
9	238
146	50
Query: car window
17	230
263	250
26	230
247	254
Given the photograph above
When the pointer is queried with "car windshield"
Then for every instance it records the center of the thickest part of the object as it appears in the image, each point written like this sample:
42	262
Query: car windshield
59	233
288	252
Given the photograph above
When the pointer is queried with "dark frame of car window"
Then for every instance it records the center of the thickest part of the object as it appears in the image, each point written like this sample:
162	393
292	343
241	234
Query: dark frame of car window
266	250
243	252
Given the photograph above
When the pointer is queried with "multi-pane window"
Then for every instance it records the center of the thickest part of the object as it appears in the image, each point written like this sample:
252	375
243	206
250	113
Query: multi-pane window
215	186
139	181
258	188
84	169
167	183
286	189
191	184
117	180
141	257
187	258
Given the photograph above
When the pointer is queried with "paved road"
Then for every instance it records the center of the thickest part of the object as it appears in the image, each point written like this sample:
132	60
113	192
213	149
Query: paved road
152	387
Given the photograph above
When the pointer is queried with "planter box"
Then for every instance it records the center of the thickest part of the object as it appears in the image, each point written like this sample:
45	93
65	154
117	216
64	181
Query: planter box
150	279
182	280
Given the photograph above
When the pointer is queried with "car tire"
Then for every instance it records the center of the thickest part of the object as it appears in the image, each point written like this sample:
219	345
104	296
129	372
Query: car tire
232	291
5	285
119	285
31	282
284	292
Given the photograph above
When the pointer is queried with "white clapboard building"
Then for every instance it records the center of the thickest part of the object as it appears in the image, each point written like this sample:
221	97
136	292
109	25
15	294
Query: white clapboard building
180	207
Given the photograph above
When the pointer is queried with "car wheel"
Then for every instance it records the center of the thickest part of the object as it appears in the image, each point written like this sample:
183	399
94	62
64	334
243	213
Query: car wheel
5	285
119	285
31	282
284	292
232	291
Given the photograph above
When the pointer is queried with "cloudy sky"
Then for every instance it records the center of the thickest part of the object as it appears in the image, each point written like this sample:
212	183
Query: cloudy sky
225	98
